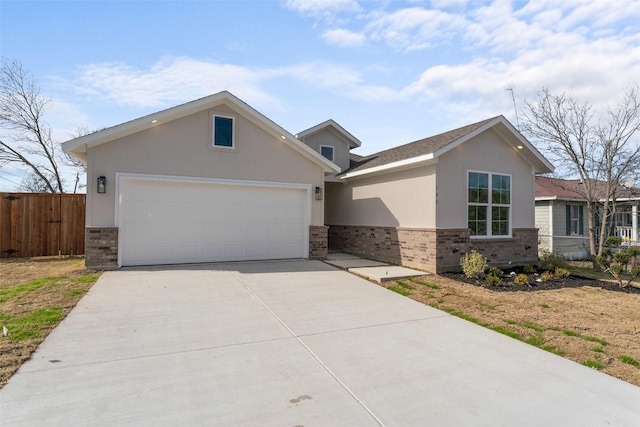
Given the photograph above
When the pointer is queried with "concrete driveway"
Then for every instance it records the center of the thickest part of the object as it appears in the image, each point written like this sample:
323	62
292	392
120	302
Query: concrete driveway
293	343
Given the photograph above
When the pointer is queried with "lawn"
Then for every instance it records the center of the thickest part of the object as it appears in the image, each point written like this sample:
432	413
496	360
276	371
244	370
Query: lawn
35	295
596	327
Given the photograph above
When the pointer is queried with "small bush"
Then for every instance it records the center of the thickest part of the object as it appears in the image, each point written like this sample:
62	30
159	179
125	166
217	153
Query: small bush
473	265
495	271
622	261
562	273
521	279
549	261
614	241
493	280
528	269
547	275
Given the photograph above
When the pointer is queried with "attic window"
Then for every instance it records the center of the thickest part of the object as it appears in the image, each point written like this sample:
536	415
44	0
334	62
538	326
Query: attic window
327	151
223	135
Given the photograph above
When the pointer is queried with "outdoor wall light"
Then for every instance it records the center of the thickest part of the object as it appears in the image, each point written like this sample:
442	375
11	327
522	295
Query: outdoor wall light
102	185
318	193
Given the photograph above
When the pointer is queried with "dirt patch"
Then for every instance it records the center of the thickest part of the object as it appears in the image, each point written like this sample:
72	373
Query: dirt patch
585	320
35	295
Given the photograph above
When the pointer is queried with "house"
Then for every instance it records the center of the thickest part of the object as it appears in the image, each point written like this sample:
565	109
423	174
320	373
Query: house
561	216
215	180
209	180
426	203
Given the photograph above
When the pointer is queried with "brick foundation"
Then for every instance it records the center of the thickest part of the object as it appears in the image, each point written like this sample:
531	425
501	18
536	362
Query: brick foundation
437	250
101	248
318	241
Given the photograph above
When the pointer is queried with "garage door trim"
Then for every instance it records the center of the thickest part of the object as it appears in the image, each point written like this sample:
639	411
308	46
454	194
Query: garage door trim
123	177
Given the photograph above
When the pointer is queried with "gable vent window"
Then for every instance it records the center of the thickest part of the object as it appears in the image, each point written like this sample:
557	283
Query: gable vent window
327	151
223	132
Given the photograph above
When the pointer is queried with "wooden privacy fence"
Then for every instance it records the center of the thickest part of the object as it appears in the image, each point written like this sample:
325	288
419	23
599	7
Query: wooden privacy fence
41	224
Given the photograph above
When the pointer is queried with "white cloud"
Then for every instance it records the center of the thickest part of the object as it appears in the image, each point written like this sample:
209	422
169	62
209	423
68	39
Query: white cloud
449	4
414	28
67	117
317	7
344	38
172	81
169	81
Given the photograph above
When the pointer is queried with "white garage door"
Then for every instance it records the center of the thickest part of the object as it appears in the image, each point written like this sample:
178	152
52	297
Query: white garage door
169	222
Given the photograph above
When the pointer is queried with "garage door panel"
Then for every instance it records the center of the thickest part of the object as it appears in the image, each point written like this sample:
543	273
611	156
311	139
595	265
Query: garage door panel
180	222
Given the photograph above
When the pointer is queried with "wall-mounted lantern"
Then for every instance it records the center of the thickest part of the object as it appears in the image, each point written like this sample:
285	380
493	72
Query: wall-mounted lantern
318	193
102	185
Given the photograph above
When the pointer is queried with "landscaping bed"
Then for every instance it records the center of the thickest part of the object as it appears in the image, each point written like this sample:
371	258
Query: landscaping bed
537	284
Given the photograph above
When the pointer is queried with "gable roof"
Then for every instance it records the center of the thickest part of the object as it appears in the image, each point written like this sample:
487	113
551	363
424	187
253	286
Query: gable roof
331	124
429	149
78	147
548	188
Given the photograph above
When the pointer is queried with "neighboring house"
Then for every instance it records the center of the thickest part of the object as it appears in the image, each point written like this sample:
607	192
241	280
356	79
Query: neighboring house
209	180
426	203
561	217
215	180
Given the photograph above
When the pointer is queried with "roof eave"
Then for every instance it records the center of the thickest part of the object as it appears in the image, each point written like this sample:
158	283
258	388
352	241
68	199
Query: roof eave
392	167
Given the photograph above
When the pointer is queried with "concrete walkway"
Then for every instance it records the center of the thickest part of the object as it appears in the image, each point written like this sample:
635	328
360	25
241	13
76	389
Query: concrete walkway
293	343
372	270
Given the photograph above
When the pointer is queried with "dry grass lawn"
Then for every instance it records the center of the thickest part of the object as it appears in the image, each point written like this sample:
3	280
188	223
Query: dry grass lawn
592	326
35	295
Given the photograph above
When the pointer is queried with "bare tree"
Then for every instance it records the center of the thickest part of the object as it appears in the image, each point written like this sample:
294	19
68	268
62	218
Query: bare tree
603	152
26	138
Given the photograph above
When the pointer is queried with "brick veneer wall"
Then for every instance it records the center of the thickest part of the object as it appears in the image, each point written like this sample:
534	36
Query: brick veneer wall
101	248
436	250
318	241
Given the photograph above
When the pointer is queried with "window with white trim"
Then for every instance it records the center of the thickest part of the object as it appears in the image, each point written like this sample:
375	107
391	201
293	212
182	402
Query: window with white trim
223	132
489	204
575	220
327	151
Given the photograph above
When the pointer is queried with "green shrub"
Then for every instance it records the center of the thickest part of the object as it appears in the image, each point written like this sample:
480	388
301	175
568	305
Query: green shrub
622	261
562	272
528	269
521	279
549	261
493	280
473	265
614	241
633	251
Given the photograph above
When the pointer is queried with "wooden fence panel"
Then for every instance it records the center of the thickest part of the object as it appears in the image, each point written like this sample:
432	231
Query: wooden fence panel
41	224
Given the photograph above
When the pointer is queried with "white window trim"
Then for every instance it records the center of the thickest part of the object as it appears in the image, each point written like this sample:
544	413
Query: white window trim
213	132
490	204
333	151
572	207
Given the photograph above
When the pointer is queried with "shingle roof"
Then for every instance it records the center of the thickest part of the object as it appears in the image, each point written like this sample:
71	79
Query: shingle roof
413	149
547	187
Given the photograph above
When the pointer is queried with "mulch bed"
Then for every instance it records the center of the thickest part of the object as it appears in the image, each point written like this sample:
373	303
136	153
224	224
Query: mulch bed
572	281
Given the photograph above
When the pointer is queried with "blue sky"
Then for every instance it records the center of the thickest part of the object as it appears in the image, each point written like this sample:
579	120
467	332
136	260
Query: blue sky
390	72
